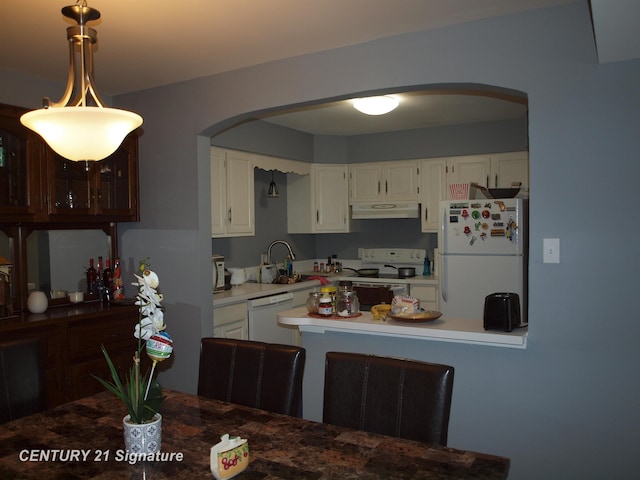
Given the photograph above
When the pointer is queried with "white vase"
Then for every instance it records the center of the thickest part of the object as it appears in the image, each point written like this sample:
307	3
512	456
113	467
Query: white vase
143	438
37	302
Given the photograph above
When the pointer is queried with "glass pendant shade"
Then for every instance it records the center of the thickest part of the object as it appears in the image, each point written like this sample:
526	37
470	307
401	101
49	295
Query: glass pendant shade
79	127
375	105
82	133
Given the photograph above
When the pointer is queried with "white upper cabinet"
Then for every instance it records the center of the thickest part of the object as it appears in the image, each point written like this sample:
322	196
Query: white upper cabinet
232	197
432	190
384	181
366	182
318	202
492	171
498	170
509	168
469	169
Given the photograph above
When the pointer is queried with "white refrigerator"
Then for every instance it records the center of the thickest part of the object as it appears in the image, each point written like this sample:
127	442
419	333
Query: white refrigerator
482	248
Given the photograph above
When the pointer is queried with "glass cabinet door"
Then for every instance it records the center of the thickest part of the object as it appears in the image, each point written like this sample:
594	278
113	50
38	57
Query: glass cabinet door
117	181
13	170
107	187
71	186
20	191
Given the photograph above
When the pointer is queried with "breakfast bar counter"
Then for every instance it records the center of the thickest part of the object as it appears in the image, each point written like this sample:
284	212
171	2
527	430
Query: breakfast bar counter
443	329
84	439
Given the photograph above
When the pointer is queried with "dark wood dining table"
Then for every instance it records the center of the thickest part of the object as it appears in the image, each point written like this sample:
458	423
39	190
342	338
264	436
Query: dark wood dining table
84	440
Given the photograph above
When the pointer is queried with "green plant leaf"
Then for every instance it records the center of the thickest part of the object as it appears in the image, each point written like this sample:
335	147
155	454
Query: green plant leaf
132	393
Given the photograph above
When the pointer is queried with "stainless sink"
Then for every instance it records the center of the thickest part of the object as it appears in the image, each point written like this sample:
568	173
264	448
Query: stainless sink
296	278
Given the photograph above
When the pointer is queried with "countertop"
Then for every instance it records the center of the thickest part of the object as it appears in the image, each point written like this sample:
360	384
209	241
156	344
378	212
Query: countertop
280	447
249	290
443	329
67	312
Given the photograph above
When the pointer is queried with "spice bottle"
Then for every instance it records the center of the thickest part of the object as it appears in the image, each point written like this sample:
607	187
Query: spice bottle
325	305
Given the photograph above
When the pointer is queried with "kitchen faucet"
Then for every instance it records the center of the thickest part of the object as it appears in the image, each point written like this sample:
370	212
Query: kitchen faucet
275	242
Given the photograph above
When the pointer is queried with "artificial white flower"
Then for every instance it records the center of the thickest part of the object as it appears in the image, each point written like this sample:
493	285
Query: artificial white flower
148	299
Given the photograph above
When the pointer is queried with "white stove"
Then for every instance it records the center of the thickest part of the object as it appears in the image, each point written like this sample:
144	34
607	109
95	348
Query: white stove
382	289
397	257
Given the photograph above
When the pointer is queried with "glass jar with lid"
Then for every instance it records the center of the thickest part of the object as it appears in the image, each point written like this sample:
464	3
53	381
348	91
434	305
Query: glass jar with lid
313	302
348	303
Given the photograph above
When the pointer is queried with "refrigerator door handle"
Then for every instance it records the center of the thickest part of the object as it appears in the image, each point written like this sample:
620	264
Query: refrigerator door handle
443	233
443	273
442	243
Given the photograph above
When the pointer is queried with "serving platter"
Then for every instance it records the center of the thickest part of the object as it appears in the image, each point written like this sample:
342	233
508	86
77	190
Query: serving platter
416	317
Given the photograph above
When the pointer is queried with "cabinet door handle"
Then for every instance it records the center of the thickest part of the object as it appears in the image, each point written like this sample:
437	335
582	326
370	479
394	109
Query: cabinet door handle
426	213
386	187
496	184
487	184
317	216
378	186
229	215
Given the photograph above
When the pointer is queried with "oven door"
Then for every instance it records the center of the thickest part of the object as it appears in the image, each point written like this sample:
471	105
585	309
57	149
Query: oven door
370	294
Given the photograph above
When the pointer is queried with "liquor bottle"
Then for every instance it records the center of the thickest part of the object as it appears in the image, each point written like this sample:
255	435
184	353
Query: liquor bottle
107	279
100	281
118	287
92	277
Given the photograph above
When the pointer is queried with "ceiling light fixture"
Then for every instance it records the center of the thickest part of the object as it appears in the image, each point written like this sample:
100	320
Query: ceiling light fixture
79	126
375	105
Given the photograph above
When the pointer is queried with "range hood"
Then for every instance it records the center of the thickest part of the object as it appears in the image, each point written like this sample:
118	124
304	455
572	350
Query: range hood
360	211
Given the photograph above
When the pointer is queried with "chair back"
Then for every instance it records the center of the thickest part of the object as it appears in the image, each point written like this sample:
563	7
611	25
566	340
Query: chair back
21	379
402	398
256	374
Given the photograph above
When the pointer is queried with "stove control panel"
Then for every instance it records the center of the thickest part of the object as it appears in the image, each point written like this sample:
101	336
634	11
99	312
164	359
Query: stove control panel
393	256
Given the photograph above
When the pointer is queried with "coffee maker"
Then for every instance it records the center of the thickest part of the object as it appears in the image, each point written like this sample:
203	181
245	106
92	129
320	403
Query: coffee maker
218	272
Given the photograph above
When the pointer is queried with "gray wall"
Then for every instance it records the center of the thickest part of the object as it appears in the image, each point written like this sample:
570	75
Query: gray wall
566	407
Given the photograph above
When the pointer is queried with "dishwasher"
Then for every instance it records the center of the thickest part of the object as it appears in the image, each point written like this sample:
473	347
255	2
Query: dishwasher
263	319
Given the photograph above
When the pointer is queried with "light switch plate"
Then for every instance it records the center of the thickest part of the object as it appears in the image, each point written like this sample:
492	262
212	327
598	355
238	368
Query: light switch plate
551	250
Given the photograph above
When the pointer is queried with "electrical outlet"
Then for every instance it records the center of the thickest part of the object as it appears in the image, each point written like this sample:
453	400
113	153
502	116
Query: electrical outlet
551	250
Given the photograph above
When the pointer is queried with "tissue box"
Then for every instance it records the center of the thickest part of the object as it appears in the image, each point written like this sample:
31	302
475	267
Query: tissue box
229	457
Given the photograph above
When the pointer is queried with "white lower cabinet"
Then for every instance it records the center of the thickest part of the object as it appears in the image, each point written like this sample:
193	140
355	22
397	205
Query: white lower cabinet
426	294
231	321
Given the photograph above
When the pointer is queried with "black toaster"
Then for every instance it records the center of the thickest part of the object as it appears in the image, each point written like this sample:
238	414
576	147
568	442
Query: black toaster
502	312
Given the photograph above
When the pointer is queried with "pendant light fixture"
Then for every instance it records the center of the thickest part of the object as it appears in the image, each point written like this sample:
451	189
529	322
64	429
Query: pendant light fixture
375	105
79	127
273	188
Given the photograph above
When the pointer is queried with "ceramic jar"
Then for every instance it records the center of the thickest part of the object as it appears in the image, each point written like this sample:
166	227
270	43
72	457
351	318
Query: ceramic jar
37	302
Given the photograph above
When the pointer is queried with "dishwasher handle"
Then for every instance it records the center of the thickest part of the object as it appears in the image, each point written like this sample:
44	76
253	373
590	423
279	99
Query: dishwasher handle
270	300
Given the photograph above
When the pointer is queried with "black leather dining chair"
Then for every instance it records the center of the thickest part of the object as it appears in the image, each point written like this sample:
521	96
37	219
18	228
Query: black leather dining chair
256	374
392	396
21	378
